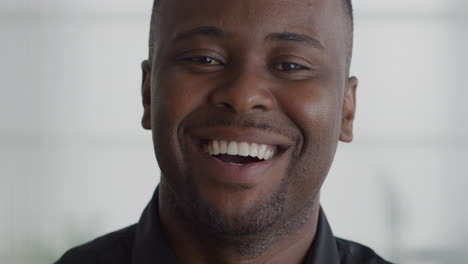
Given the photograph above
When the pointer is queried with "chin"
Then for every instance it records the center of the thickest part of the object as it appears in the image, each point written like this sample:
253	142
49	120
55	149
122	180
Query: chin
232	210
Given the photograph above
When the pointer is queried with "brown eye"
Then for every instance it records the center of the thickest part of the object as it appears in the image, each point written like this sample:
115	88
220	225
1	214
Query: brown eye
289	66
204	60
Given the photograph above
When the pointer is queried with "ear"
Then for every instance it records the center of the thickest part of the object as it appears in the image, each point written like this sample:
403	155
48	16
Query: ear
146	94
349	110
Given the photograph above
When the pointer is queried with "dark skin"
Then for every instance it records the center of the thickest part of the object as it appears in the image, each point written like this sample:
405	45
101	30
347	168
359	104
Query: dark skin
271	72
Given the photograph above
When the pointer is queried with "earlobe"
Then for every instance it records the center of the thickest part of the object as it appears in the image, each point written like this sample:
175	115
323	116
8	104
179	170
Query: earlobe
146	94
349	110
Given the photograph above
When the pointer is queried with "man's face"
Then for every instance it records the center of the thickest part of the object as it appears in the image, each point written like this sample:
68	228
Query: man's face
241	77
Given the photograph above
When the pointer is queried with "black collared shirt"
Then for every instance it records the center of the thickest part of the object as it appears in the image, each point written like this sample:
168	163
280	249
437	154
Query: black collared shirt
144	243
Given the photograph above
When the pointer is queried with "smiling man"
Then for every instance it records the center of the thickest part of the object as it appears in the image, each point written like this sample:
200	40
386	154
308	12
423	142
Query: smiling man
246	100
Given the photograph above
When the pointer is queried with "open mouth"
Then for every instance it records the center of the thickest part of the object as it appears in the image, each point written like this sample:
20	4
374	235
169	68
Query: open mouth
238	160
239	153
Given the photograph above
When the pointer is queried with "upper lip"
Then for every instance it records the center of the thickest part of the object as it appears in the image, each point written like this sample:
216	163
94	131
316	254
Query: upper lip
249	135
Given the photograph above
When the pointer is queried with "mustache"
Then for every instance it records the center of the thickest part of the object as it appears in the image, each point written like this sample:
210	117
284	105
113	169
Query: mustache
264	124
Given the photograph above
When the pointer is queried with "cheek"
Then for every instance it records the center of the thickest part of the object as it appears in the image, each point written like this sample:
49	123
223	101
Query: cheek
315	110
175	97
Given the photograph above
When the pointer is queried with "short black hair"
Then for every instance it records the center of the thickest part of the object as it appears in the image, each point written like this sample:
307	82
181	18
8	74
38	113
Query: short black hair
155	11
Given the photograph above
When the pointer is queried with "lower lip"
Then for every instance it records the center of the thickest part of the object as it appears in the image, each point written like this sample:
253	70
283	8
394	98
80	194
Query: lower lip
230	173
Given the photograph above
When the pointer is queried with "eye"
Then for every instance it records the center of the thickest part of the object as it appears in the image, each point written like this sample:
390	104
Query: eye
205	60
289	66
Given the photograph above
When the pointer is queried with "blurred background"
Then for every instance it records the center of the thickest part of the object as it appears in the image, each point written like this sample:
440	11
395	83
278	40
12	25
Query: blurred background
75	163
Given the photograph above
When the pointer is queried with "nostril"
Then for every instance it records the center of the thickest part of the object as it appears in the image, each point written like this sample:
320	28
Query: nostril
226	105
258	107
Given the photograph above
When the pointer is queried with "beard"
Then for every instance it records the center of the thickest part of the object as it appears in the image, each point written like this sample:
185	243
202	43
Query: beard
249	233
256	228
257	219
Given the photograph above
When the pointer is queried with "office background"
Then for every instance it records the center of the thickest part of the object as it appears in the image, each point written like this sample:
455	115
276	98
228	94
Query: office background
75	163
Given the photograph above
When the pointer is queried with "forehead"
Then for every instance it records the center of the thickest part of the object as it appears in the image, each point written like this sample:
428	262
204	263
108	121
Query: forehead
252	16
250	9
252	20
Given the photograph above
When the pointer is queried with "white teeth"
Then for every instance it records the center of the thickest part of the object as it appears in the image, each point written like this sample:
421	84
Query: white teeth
215	146
232	148
260	151
244	149
223	147
253	150
210	149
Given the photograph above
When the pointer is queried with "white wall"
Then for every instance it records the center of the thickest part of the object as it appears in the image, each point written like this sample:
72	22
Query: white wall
75	164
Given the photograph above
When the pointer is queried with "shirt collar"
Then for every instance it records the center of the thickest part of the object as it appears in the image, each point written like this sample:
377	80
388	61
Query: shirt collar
150	245
323	248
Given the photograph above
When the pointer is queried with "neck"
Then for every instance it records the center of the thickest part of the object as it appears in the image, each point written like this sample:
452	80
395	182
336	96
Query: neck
287	242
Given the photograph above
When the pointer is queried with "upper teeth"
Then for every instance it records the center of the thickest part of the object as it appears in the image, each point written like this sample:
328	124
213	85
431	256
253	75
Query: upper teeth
245	149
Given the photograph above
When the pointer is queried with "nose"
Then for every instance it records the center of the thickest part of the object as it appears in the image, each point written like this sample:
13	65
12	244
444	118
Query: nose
243	93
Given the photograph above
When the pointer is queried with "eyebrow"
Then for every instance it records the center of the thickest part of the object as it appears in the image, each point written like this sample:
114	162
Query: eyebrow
295	37
201	31
212	31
